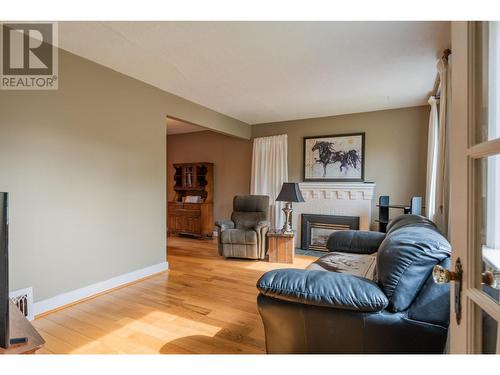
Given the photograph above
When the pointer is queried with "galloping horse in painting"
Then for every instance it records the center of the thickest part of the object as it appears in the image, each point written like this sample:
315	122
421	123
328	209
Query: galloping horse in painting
328	155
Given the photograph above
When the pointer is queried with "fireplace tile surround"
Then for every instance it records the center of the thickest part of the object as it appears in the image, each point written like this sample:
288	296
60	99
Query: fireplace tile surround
334	198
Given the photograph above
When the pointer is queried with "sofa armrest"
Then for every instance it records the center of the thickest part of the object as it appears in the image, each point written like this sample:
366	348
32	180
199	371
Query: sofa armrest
321	288
355	241
224	224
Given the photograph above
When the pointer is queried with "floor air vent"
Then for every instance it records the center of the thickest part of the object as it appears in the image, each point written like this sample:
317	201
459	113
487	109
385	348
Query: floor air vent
23	299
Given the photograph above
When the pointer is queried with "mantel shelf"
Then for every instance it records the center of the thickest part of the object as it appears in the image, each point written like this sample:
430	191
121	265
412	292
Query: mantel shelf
337	190
339	185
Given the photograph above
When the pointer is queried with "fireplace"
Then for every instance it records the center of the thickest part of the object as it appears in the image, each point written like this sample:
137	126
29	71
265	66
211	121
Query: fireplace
334	198
317	228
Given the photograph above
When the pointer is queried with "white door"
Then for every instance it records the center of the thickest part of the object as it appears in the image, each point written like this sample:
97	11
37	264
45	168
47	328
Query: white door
475	186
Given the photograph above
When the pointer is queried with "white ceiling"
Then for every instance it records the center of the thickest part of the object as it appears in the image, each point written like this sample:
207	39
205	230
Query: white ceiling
179	127
272	71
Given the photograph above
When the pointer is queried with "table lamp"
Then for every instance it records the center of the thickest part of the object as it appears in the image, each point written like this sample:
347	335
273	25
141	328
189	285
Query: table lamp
290	192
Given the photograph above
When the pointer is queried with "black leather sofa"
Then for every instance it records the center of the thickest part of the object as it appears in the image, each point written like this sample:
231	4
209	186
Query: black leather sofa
400	311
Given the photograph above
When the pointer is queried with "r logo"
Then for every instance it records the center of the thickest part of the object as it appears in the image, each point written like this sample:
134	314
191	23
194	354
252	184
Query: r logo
29	57
27	48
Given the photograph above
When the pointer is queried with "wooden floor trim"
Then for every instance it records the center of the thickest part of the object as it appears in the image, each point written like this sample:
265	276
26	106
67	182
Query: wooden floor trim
91	291
39	316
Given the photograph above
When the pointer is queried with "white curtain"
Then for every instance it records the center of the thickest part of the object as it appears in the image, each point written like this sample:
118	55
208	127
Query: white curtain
437	202
269	171
432	162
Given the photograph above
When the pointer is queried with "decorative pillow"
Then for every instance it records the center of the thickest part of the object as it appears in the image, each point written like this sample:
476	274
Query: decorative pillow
362	265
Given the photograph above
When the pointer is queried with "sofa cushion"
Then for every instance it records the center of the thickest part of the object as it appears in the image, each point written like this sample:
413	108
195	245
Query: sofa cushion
355	241
406	220
405	258
239	236
362	265
431	304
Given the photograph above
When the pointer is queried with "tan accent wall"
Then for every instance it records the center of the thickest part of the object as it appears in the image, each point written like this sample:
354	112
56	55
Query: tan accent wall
232	158
85	168
396	147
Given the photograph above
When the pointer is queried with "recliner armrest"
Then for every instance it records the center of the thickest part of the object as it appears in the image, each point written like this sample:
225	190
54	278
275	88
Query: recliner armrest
224	224
355	241
321	288
261	224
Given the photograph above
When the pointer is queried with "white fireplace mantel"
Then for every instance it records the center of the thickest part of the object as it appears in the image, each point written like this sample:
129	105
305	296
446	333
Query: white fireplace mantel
334	198
337	190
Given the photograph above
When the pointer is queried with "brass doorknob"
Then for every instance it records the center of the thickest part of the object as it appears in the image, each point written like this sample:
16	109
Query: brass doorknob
442	276
488	278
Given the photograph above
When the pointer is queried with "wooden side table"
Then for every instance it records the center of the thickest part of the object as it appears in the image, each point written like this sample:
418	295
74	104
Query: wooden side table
281	247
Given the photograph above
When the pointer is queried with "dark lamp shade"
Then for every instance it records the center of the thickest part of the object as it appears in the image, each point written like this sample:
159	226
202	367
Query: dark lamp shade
290	192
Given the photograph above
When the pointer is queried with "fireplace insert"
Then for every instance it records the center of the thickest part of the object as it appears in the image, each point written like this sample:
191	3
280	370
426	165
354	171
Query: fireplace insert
317	228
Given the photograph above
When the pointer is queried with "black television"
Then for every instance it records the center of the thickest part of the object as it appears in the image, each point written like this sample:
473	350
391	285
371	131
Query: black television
4	271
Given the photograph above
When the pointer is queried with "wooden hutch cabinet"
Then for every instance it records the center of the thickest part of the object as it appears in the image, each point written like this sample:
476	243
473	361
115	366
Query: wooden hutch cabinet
192	218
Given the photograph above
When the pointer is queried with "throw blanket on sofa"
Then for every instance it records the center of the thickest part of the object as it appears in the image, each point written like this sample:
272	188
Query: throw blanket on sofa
362	265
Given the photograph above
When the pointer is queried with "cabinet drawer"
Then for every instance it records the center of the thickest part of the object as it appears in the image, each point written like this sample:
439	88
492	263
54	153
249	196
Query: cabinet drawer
185	212
191	206
173	206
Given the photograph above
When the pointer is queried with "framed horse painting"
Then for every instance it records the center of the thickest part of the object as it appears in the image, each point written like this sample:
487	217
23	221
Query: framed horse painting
335	158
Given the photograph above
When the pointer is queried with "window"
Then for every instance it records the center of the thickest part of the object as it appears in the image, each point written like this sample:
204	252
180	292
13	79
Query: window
488	130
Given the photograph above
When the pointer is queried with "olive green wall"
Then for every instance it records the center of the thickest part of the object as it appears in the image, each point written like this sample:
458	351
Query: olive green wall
85	167
395	148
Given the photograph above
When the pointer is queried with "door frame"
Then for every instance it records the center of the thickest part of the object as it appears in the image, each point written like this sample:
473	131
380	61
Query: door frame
466	336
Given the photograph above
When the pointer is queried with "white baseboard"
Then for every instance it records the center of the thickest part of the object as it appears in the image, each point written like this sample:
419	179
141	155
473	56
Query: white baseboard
67	298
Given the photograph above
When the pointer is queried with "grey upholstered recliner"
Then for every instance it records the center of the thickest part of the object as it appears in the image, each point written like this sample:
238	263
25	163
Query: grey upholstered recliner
244	236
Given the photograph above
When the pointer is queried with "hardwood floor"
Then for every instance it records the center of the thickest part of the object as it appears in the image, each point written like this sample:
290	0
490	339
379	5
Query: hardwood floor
203	304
